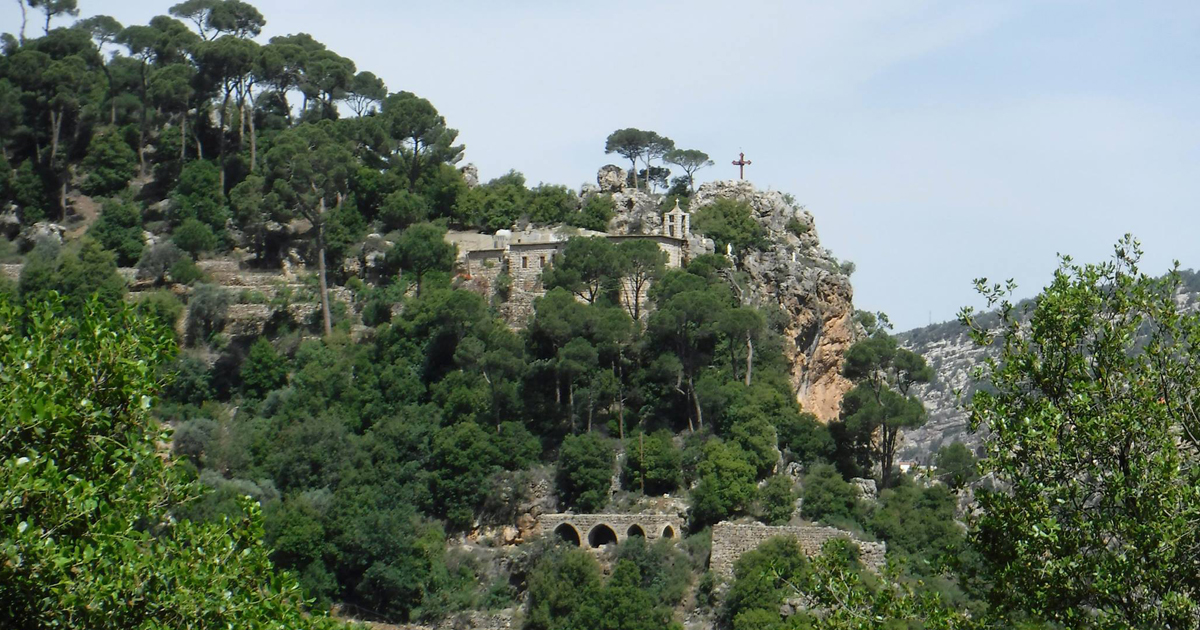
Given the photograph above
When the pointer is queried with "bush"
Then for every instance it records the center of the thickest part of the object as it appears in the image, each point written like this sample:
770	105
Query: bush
595	214
730	222
207	310
665	570
798	227
189	381
828	497
198	195
119	230
162	306
726	485
110	163
194	237
956	465
185	271
653	463
263	370
762	579
156	261
585	467
778	500
401	209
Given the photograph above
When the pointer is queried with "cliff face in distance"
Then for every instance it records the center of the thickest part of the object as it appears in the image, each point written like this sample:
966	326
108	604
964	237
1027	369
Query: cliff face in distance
806	282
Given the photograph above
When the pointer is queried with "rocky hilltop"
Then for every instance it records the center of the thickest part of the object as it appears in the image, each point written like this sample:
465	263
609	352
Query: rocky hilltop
806	282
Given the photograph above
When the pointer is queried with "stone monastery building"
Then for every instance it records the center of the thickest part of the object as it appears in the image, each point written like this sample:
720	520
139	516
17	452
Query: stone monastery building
484	258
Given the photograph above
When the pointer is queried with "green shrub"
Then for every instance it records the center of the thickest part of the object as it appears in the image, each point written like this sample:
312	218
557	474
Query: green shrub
207	309
119	230
595	214
194	237
828	497
653	463
401	209
110	164
585	468
156	261
162	306
778	500
263	370
798	227
730	222
185	271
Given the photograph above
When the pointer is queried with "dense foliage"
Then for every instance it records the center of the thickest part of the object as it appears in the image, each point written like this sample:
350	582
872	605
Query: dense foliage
375	446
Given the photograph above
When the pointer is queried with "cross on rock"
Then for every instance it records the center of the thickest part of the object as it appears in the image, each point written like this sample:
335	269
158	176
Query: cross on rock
741	163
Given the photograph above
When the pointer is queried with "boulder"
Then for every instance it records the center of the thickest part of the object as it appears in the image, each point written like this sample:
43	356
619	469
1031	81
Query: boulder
42	230
611	178
470	174
866	488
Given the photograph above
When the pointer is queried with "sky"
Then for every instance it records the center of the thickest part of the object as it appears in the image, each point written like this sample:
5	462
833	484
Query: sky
934	142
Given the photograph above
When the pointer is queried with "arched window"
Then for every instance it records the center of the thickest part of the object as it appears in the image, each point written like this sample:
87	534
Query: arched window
601	535
668	532
635	530
567	532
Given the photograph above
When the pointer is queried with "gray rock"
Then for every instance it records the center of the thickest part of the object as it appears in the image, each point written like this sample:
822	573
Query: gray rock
470	174
42	230
611	178
866	488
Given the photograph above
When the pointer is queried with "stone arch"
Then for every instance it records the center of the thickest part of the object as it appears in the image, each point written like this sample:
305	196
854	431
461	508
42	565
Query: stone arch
668	532
601	535
568	533
635	530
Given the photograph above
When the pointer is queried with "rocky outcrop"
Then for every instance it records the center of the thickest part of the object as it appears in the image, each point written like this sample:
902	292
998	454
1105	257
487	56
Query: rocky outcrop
611	178
803	279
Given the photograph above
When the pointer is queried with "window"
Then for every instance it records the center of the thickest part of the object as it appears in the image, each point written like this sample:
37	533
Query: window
542	262
672	230
524	262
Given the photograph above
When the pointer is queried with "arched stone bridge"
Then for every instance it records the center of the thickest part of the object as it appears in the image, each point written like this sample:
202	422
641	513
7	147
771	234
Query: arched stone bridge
593	531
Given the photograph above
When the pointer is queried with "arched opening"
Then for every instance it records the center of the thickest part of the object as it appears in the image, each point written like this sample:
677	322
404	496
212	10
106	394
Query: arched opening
568	533
601	535
668	532
635	530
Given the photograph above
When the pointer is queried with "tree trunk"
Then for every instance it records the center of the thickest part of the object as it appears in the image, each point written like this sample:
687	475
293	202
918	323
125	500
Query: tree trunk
591	407
55	130
749	358
21	3
620	399
221	149
183	137
696	403
642	458
253	140
571	403
321	277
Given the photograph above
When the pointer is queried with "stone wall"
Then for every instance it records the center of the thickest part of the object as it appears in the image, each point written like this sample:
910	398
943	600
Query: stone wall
731	540
593	531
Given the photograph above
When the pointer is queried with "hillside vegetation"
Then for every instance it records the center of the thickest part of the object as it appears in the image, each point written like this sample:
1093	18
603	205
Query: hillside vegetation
381	443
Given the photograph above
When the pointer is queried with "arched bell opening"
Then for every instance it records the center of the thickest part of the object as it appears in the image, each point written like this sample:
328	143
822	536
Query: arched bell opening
568	533
635	530
601	535
668	532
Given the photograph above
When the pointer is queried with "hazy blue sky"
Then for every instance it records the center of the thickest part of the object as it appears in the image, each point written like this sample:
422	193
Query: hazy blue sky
934	142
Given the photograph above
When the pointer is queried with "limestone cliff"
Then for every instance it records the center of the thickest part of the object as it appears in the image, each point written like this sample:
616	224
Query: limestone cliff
804	280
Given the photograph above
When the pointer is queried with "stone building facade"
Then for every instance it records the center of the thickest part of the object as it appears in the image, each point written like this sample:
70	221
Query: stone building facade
507	267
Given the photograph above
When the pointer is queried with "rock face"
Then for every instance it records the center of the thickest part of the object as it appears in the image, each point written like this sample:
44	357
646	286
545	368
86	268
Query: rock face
806	282
611	178
952	355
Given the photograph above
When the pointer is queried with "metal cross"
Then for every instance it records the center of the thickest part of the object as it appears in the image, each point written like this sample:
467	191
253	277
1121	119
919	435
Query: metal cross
741	163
